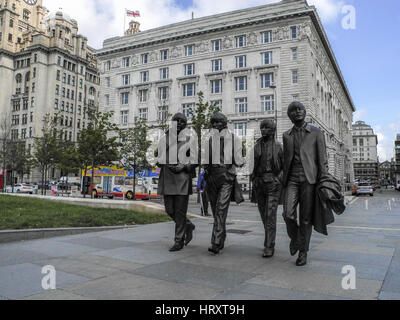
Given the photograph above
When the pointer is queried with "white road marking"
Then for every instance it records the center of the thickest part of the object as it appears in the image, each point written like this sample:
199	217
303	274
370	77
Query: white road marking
366	204
330	226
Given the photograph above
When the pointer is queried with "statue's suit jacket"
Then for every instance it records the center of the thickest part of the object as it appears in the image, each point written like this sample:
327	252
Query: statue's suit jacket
171	183
312	154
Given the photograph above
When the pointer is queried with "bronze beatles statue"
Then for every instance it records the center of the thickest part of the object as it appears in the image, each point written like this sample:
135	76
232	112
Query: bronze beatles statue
175	184
304	163
267	187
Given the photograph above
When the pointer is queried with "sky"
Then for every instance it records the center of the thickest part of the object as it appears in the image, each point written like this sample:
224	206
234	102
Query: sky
367	55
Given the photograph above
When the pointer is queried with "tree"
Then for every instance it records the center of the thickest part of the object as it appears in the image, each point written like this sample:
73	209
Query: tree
200	117
134	148
95	147
68	161
46	148
20	158
5	143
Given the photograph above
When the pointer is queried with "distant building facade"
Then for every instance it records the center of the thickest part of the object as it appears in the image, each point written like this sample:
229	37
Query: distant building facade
45	68
387	172
365	152
397	159
252	63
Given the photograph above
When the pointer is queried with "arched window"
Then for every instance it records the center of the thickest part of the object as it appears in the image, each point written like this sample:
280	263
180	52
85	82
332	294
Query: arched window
18	78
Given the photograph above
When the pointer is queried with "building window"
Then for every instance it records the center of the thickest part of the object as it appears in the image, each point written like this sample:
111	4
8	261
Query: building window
164	55
240	41
126	79
10	39
108	82
107	98
25	118
57	89
294	76
143	94
295	97
80	83
188	69
266	37
216	65
293	31
63	92
124	116
241	83
164	73
62	105
267	103
189	50
241	129
125	61
32	102
240	61
163	93
241	105
58	60
266	57
125	98
216	86
267	79
143	113
217	104
145	58
144	76
294	53
73	81
56	104
189	89
186	107
216	45
162	113
11	23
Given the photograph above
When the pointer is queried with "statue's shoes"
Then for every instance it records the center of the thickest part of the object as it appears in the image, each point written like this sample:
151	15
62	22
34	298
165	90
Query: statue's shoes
302	259
189	233
176	247
268	253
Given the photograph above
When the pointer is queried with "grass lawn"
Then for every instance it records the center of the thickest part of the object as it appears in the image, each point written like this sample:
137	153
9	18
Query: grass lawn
28	213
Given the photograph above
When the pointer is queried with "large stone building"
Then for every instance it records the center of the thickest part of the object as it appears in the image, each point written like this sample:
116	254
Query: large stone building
46	67
365	154
252	63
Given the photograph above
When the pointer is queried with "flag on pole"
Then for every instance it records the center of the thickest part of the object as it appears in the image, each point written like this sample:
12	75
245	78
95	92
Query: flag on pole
133	13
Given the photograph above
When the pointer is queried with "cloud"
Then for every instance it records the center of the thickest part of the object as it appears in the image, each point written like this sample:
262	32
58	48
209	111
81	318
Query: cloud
386	137
359	114
328	10
102	19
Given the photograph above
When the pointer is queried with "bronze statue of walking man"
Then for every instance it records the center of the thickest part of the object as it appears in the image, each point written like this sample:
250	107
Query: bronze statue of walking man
304	163
175	183
221	180
267	187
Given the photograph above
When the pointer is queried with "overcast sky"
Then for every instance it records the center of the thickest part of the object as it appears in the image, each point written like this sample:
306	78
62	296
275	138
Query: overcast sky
367	55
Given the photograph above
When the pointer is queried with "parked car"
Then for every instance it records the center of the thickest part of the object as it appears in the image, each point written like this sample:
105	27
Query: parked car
365	188
20	188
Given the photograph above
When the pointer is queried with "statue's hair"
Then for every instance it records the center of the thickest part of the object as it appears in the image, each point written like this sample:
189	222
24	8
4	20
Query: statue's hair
294	105
219	116
179	115
268	123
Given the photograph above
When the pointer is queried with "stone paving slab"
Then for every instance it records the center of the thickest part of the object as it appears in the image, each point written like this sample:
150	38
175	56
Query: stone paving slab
21	280
13	256
58	294
100	242
317	283
192	274
260	292
128	286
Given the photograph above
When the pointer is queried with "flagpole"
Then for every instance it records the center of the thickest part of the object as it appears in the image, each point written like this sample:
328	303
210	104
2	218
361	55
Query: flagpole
192	9
123	33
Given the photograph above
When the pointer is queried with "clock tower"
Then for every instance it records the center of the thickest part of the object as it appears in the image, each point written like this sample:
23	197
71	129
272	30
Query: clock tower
20	19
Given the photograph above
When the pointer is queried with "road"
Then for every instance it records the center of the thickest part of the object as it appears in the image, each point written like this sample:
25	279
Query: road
135	263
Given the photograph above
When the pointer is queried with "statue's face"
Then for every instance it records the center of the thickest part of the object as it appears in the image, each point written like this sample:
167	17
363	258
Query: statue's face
297	114
218	124
267	131
180	124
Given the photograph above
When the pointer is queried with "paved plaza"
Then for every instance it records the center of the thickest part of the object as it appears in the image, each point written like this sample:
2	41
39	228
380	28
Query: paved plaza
135	263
